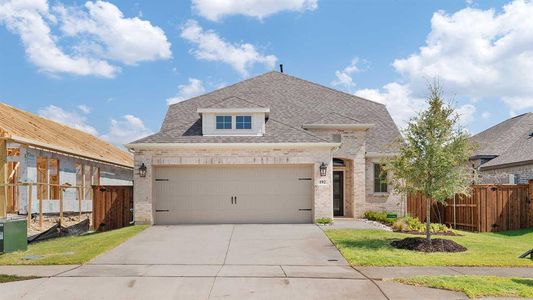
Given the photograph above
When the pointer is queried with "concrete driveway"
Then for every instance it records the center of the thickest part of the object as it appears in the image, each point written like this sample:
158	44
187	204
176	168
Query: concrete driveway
219	261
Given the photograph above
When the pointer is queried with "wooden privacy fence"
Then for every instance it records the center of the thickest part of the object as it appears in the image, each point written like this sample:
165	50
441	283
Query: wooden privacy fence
488	208
112	207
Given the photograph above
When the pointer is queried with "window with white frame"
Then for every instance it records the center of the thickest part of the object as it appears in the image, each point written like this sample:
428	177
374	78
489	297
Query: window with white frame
243	122
223	122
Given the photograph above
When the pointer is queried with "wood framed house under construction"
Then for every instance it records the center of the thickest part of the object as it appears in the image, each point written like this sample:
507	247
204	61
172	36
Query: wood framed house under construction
51	167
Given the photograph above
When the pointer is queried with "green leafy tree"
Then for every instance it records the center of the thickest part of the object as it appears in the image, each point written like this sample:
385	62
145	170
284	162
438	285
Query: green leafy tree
433	155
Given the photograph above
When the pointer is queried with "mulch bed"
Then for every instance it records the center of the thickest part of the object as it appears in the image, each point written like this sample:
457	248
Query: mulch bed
422	245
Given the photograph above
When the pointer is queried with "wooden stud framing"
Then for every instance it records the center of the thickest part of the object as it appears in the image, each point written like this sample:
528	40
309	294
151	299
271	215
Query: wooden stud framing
3	178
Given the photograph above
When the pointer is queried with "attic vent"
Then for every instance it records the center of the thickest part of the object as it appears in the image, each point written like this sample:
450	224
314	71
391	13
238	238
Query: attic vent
531	134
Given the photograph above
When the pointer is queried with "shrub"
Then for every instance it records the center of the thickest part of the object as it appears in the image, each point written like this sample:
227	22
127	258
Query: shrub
324	221
379	217
410	224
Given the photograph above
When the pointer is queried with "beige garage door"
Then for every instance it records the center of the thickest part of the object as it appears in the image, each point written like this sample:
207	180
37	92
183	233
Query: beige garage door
233	194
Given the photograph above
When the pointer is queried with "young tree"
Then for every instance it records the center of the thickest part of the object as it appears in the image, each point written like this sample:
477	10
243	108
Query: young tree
433	155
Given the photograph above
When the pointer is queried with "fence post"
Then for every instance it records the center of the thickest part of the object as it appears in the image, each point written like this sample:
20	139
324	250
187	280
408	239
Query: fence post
530	214
29	209
454	212
40	211
79	199
60	205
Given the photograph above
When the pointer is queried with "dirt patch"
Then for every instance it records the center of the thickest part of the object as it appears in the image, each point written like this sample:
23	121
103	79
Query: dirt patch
422	245
51	220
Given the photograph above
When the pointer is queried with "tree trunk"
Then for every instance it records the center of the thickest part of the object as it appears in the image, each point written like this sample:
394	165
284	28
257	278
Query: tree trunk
428	220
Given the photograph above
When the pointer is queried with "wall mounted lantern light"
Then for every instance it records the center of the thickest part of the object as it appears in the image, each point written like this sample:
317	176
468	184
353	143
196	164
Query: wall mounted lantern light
142	170
323	169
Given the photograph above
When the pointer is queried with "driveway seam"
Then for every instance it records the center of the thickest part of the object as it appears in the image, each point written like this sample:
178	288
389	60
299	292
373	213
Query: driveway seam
58	274
285	273
229	244
373	282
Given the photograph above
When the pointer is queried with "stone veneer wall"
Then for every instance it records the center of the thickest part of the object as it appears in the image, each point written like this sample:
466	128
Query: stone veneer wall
323	204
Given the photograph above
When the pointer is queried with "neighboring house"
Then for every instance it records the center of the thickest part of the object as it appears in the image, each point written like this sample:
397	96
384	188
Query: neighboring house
37	150
504	152
270	149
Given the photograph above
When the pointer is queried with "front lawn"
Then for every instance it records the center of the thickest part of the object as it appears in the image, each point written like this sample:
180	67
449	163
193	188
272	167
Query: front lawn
476	286
11	278
372	248
70	250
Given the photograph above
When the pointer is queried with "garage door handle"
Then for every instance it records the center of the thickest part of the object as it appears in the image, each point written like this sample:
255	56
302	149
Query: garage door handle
231	199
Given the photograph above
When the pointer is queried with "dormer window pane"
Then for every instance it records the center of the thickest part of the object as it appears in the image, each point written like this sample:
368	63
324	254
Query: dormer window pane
223	122
244	122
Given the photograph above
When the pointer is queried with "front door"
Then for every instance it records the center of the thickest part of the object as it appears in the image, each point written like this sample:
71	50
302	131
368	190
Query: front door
338	193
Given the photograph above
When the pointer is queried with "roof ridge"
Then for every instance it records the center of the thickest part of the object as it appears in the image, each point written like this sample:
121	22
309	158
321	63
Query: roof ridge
222	88
326	87
299	129
227	98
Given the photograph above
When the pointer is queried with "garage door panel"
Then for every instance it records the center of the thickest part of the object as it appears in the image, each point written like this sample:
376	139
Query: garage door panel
202	194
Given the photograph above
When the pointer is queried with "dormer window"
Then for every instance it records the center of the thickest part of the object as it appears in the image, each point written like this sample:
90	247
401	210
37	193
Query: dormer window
243	122
223	122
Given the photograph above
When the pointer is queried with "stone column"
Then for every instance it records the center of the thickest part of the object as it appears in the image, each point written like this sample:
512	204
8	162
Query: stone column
143	190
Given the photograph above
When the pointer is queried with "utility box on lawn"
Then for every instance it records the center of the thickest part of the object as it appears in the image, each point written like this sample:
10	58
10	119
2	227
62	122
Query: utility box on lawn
13	235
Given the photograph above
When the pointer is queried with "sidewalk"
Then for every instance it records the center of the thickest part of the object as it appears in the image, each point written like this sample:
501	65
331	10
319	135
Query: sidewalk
380	273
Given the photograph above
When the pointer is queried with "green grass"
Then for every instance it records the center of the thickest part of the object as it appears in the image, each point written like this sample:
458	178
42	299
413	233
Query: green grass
476	286
372	248
71	250
11	278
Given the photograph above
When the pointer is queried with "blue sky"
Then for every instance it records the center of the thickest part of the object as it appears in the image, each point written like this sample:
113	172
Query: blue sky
110	68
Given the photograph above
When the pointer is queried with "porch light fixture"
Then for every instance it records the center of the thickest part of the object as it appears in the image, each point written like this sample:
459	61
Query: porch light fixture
323	169
142	170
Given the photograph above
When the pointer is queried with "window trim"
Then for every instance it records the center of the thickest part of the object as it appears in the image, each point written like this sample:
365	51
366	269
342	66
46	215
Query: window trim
224	122
243	122
383	181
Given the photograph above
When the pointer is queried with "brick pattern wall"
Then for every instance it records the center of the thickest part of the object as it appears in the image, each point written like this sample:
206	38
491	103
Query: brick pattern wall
389	202
323	206
522	175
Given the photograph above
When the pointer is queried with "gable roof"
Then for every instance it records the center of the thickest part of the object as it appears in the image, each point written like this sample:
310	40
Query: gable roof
27	128
293	102
509	142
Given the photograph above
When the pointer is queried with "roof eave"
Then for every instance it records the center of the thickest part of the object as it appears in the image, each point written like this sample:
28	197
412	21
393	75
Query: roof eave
505	165
178	146
339	126
38	144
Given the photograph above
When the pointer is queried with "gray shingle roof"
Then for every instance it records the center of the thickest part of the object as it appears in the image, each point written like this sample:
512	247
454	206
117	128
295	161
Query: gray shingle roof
292	102
509	140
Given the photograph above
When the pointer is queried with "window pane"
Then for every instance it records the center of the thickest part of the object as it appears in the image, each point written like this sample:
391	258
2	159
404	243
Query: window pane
244	122
223	122
380	179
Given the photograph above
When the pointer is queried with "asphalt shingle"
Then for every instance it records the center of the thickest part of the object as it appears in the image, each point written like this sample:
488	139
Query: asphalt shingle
293	102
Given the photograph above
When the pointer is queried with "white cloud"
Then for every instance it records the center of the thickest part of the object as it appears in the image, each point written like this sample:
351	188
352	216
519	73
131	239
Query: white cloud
128	40
478	53
216	9
84	108
126	129
475	54
466	113
98	36
344	76
211	47
194	88
30	20
398	98
69	118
